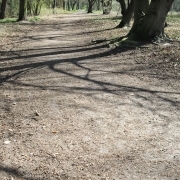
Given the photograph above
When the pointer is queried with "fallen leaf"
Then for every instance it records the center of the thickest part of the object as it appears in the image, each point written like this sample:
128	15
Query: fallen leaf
54	132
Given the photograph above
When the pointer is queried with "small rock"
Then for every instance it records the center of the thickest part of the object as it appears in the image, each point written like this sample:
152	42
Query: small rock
7	142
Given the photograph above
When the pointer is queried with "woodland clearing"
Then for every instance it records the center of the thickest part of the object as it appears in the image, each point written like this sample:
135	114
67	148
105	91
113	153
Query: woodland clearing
71	107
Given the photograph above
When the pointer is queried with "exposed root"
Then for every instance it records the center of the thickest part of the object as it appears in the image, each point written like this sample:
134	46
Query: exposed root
163	38
132	41
126	41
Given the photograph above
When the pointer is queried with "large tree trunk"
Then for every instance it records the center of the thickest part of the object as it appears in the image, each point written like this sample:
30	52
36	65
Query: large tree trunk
149	20
22	10
3	9
127	15
123	6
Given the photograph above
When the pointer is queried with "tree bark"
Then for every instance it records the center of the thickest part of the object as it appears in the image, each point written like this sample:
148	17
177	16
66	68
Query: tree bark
90	5
127	15
73	5
123	6
22	10
140	8
3	9
149	20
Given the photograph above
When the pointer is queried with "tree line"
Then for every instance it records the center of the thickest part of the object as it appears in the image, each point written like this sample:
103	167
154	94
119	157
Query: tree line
14	8
23	8
149	16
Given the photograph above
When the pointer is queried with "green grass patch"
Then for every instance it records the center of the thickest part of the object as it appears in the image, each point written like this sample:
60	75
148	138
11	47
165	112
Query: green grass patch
173	17
8	20
173	30
34	19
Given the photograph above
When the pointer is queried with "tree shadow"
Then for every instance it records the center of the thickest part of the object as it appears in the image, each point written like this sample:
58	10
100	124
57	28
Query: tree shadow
98	86
35	59
91	65
15	173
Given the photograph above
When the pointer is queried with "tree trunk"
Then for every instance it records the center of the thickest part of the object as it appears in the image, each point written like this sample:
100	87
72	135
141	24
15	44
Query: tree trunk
37	7
123	6
127	15
73	5
11	8
89	8
64	5
77	7
68	5
140	8
22	10
90	5
3	9
149	20
54	6
98	5
107	6
30	8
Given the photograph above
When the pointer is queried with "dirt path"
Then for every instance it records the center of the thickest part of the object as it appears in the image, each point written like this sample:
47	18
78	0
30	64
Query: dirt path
73	109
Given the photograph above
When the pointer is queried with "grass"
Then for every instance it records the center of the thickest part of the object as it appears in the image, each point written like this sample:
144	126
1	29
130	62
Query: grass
8	20
34	19
13	20
173	29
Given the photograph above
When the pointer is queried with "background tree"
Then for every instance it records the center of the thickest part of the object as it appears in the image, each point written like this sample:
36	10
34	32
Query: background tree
90	5
73	3
3	9
22	10
176	5
106	6
54	6
149	19
98	4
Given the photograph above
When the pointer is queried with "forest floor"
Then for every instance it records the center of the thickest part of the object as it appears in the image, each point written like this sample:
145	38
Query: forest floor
73	108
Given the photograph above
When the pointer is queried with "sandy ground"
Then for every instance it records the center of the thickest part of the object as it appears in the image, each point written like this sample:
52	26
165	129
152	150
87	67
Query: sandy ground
71	108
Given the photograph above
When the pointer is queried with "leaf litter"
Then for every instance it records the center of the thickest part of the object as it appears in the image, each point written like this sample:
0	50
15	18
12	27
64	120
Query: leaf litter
72	108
